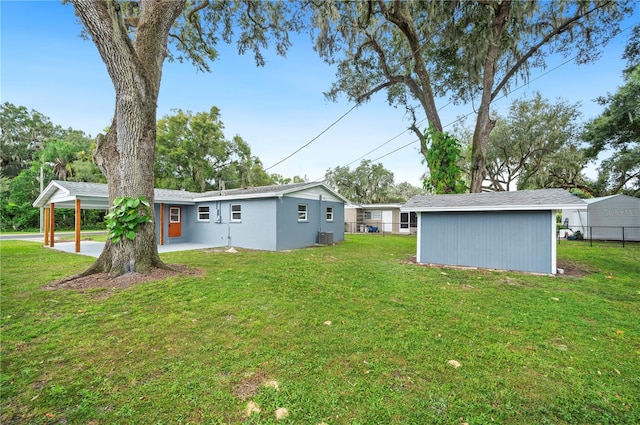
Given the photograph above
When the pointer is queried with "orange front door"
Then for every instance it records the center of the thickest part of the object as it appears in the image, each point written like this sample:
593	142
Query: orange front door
175	222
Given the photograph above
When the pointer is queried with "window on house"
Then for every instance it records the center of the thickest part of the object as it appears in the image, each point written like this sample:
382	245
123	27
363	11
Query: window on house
203	213
236	212
404	220
302	212
329	213
373	215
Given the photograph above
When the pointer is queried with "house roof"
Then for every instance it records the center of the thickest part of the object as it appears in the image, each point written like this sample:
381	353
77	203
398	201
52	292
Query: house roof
96	195
265	192
544	199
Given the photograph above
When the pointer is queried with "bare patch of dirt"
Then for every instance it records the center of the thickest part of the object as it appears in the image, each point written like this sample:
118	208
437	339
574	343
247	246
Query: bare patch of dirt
570	268
250	386
104	281
573	269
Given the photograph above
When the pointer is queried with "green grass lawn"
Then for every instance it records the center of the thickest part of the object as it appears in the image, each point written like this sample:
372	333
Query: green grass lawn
351	334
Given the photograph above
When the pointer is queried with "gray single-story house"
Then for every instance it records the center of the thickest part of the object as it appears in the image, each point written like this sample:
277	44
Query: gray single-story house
614	218
364	218
272	218
496	230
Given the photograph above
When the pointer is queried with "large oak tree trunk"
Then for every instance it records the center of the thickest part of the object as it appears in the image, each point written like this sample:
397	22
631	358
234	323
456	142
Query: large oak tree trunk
126	153
484	123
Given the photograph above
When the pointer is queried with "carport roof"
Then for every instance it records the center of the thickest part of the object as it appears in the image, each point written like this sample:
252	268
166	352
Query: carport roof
96	195
543	199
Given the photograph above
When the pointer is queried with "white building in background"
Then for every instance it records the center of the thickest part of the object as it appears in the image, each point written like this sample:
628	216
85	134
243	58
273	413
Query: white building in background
614	217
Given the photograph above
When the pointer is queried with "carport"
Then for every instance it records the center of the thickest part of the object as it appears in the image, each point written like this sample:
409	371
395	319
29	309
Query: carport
81	195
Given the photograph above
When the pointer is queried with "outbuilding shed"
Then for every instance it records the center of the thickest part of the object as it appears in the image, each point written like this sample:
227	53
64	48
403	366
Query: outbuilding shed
613	218
497	230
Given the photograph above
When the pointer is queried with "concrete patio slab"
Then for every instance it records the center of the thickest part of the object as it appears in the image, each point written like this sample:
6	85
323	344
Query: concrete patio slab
94	249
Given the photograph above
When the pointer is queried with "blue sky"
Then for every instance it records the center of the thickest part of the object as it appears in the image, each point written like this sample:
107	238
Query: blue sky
46	66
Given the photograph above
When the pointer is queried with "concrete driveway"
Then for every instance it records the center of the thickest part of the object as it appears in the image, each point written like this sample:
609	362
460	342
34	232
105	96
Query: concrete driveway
94	249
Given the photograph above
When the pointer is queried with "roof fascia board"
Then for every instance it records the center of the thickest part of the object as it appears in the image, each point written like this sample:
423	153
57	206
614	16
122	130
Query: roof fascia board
47	193
379	206
238	197
495	208
278	194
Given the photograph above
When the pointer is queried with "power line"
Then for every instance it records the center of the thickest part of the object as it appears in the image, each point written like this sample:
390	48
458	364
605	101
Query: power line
424	119
350	110
314	139
471	113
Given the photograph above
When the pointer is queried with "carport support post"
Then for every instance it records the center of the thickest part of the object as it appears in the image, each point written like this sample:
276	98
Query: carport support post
52	223
78	216
46	227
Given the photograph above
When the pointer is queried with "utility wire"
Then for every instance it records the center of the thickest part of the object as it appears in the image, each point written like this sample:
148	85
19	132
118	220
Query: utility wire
424	119
314	139
350	110
472	112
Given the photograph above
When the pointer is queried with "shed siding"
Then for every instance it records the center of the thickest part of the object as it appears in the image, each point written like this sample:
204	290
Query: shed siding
510	240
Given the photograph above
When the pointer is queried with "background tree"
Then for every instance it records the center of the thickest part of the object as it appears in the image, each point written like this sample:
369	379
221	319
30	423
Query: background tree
404	191
536	146
244	170
59	155
133	39
367	184
193	154
16	210
22	134
617	130
469	51
279	179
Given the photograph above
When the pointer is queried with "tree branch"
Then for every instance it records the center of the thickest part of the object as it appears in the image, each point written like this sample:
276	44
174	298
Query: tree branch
562	28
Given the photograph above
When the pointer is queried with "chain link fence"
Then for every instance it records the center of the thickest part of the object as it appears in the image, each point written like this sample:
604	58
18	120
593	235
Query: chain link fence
621	234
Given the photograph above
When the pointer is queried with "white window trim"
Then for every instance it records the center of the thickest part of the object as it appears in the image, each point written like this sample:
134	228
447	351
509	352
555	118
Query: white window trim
373	215
306	213
171	215
208	213
329	214
231	212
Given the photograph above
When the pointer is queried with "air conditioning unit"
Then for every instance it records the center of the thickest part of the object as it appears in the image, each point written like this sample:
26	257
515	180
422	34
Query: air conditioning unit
325	238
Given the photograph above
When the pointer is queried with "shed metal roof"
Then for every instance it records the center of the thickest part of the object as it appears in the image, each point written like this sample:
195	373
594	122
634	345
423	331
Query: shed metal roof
543	199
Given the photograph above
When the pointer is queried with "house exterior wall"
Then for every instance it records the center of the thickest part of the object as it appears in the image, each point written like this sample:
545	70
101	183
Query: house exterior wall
351	219
607	217
393	225
187	212
356	221
292	233
269	224
508	240
254	230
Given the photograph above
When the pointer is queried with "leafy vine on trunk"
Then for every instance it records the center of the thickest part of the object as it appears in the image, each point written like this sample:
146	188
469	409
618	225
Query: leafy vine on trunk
126	216
443	155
